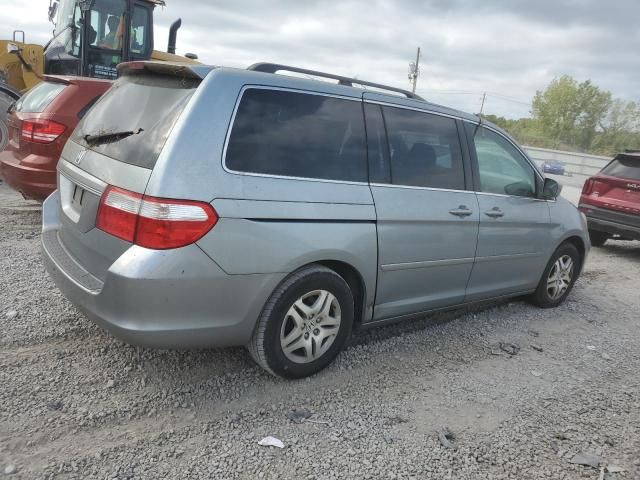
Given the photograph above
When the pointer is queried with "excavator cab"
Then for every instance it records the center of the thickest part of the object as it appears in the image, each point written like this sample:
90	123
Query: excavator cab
92	37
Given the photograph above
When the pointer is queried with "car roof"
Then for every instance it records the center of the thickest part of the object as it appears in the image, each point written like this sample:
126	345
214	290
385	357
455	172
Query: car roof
331	88
252	75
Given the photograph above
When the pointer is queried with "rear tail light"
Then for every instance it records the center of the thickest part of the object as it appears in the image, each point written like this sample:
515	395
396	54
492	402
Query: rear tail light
595	187
118	213
155	223
587	187
41	131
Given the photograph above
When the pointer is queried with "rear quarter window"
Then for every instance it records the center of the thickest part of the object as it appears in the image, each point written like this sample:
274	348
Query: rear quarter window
623	167
296	134
39	97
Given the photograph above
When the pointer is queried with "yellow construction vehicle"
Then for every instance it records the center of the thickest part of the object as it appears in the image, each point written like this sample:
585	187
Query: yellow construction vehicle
90	38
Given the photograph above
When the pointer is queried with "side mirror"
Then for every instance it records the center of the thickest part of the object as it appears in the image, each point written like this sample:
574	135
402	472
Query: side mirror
551	189
519	189
12	48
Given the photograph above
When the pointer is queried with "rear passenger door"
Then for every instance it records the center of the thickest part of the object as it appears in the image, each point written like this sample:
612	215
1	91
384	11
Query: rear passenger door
515	229
427	219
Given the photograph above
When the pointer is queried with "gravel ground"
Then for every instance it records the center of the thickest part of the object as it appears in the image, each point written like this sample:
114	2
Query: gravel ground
76	403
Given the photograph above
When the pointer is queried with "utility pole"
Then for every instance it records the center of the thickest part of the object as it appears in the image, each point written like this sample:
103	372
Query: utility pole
484	97
414	71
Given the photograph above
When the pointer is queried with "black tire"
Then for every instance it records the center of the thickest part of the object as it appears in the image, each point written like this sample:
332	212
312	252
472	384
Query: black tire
541	297
597	238
265	345
5	102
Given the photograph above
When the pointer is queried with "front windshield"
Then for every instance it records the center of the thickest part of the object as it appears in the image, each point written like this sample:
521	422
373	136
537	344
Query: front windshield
107	24
107	27
66	34
65	15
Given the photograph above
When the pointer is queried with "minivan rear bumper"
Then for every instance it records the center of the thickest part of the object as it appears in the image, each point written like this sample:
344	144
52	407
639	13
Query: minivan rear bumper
164	299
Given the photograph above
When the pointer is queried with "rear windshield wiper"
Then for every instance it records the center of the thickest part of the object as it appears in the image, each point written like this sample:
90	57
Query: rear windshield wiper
110	137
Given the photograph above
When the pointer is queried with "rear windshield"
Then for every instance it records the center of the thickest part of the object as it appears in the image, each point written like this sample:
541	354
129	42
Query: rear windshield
623	167
39	97
150	104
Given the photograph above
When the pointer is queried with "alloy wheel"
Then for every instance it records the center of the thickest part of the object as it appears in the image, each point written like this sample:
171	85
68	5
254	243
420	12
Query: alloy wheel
560	277
310	326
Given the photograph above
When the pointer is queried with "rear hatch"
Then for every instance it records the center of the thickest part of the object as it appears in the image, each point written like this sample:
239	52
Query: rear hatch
616	189
117	144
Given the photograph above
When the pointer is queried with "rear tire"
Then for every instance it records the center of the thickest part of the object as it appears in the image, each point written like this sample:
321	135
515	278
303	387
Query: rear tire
559	277
305	323
5	102
597	238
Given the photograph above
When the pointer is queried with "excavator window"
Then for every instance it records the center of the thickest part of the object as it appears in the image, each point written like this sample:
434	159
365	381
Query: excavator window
139	37
106	37
113	39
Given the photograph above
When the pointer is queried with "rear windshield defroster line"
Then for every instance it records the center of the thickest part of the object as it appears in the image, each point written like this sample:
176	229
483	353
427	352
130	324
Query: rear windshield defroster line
147	104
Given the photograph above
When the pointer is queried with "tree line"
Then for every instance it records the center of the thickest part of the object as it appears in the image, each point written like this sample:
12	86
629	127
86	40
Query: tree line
569	115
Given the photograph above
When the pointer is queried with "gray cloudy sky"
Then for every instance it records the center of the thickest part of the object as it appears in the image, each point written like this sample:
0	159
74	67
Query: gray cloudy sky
508	48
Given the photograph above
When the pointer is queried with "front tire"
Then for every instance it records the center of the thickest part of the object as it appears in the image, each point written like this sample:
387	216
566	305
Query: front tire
305	323
597	238
559	277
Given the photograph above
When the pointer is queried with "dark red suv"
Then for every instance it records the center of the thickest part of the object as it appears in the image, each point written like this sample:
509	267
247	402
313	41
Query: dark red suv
39	125
611	200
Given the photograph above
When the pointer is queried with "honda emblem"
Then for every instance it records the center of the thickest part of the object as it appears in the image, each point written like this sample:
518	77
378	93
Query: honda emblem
80	157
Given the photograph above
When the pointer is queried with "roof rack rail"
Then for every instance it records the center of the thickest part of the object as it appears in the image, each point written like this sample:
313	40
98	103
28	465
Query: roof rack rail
347	81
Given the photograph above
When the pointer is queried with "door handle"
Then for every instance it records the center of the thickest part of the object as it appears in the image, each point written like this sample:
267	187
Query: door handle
461	211
495	212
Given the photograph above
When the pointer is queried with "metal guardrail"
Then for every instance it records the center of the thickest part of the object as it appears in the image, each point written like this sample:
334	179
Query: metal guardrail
575	163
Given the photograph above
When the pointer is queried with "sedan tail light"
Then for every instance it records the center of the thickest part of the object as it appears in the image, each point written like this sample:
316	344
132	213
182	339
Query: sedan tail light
41	131
151	222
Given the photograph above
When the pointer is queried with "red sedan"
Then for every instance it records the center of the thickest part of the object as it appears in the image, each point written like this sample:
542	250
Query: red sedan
39	125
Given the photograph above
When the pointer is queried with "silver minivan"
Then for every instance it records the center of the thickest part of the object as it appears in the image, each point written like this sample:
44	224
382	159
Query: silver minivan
203	206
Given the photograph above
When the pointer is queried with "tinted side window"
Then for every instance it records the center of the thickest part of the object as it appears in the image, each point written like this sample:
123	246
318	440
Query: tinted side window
502	167
139	36
299	135
425	149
